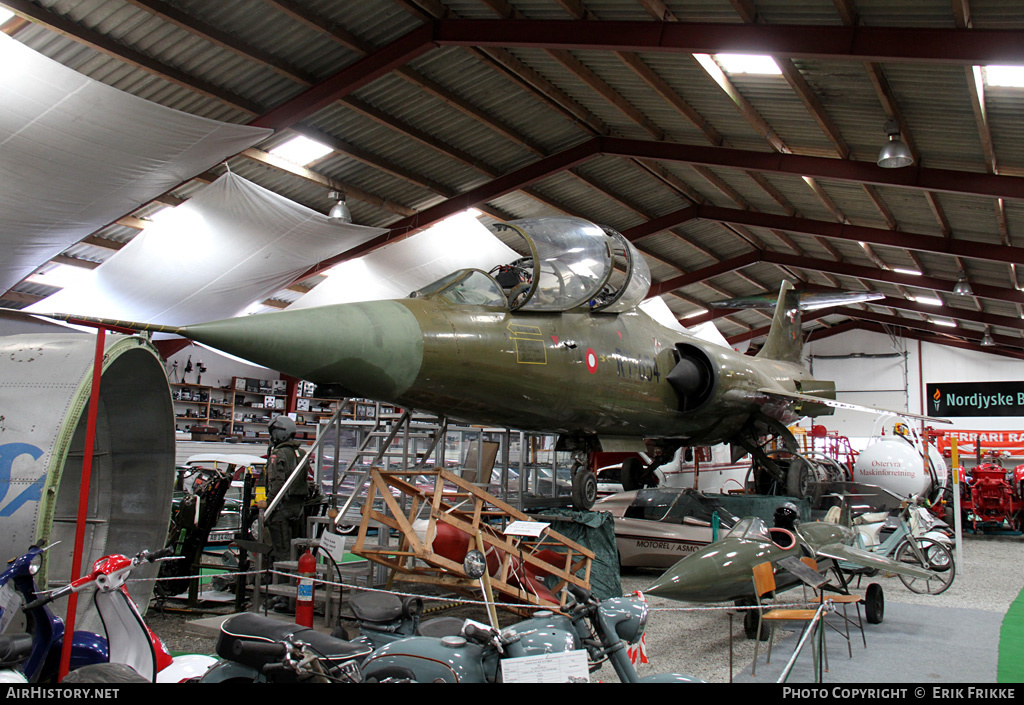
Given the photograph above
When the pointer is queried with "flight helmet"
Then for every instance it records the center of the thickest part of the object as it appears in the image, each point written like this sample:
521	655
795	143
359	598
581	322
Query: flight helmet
282	428
786	516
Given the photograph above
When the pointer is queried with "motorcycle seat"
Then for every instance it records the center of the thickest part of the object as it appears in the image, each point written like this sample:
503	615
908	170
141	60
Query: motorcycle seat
383	607
253	628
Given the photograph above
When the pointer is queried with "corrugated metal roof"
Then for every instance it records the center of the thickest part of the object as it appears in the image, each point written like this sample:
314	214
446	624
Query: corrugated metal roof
455	119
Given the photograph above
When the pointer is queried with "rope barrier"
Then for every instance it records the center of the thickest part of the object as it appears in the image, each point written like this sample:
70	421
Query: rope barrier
450	599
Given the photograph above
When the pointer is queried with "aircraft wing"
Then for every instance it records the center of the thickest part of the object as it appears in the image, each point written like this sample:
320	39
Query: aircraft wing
867	559
796	396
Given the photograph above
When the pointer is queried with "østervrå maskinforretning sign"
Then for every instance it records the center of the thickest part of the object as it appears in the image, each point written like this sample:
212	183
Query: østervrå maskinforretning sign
976	399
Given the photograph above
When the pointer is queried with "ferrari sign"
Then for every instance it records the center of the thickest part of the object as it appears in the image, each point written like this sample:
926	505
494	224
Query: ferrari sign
976	399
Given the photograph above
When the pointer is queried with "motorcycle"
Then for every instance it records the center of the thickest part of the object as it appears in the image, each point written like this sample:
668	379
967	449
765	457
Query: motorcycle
600	629
588	632
383	618
44	631
130	641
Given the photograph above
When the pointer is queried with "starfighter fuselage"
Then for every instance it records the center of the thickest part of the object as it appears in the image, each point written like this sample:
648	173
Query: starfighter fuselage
573	372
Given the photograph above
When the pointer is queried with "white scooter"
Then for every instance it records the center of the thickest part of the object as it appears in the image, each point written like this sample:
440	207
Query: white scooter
130	640
914	535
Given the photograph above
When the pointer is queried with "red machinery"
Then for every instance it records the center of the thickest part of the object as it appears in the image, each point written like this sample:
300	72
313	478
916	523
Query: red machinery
990	497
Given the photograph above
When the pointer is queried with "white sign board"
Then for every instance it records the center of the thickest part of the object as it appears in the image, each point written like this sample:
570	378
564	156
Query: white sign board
526	528
564	667
334	545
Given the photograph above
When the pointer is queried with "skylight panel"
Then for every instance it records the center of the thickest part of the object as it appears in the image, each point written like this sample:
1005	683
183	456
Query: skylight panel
1005	76
748	63
301	150
60	276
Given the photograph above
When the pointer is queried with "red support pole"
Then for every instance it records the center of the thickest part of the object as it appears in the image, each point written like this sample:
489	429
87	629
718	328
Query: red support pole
83	503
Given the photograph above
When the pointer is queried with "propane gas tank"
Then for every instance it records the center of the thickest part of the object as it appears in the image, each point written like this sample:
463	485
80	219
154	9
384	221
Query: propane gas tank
894	463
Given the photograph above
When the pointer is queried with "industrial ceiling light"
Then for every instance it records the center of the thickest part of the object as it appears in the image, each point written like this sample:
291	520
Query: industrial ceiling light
894	153
340	212
987	338
962	287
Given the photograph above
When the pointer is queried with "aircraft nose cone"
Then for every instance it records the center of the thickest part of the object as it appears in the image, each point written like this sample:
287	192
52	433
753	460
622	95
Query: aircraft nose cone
371	349
709	575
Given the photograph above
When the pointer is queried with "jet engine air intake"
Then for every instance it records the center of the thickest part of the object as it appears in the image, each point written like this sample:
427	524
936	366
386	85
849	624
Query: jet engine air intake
694	377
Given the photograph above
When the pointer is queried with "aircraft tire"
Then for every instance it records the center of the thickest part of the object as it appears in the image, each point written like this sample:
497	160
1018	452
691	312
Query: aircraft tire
584	490
874	604
750	626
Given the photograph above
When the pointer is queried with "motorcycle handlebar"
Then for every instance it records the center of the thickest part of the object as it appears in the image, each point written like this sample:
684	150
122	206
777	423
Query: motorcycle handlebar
475	633
151	556
47	599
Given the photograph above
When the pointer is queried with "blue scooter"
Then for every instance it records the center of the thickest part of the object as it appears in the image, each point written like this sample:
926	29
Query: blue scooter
18	589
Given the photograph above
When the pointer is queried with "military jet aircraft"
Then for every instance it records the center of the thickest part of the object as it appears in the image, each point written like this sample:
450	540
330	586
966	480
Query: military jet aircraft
722	571
553	342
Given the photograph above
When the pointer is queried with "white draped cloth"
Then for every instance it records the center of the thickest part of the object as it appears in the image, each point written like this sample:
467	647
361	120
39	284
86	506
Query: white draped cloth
76	155
233	244
393	271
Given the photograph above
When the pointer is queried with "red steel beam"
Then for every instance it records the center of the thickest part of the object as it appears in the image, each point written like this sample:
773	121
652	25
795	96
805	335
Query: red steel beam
921	44
856	233
884	275
349	79
512	181
723	267
661	223
975	183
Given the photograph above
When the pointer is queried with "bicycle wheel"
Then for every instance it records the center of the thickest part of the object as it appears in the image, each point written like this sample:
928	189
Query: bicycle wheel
937	558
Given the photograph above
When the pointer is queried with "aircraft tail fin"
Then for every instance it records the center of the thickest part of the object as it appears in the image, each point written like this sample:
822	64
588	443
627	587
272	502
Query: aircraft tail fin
785	338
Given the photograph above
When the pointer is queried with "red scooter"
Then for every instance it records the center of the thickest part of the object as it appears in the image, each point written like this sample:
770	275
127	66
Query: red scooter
130	641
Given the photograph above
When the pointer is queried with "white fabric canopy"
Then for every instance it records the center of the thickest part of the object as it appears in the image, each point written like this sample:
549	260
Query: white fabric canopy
76	154
233	244
392	272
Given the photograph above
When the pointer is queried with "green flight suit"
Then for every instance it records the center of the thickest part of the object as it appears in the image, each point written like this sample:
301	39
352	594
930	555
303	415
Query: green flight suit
286	521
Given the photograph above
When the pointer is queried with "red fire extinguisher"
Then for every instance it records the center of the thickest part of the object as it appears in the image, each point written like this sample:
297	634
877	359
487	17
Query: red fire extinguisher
304	594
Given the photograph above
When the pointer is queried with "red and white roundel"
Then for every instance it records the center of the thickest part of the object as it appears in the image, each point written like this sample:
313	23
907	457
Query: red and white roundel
591	360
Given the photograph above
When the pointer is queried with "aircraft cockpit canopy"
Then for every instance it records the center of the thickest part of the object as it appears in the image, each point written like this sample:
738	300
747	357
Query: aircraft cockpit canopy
573	263
465	286
751	529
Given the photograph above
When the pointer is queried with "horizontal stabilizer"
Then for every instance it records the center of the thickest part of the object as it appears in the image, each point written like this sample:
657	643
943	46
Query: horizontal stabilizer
796	396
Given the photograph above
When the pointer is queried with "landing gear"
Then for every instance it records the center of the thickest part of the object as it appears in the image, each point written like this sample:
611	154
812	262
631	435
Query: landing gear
874	604
584	489
584	482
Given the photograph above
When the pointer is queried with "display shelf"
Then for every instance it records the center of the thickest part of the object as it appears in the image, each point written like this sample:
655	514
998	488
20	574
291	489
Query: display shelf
254	403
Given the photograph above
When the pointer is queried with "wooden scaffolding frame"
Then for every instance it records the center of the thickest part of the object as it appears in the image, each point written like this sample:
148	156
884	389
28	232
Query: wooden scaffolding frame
475	512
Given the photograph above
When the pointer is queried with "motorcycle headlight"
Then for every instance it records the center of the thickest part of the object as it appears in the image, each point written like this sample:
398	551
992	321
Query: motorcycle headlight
628	616
35	564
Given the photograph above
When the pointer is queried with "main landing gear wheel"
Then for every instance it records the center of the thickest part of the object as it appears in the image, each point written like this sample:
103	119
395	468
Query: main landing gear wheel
750	620
874	604
584	489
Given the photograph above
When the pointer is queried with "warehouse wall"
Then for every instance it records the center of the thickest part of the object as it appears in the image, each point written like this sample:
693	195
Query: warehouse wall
877	370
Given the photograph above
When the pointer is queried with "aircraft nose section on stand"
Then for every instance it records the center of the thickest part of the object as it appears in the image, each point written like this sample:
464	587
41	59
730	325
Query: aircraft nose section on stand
705	576
371	349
